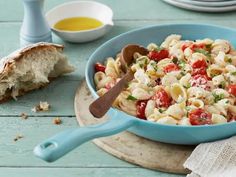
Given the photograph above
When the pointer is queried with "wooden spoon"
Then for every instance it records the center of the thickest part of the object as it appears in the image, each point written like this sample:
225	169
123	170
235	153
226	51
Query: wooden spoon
101	105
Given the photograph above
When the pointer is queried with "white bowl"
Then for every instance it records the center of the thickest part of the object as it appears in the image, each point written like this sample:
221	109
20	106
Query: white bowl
81	9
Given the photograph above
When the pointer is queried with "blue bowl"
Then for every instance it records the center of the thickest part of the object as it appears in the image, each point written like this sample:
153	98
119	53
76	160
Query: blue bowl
62	143
175	134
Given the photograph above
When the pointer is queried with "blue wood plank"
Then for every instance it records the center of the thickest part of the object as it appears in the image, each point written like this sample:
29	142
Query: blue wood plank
123	9
35	130
82	172
16	158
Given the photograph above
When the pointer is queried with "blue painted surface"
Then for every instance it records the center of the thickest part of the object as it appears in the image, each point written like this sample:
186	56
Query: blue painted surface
16	158
66	141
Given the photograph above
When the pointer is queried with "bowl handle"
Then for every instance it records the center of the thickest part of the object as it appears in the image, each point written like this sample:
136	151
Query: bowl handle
62	143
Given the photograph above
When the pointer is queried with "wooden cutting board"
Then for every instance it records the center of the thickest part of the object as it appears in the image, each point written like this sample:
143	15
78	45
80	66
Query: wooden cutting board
132	148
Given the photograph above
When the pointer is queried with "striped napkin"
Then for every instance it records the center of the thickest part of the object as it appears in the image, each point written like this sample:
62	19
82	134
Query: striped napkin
214	159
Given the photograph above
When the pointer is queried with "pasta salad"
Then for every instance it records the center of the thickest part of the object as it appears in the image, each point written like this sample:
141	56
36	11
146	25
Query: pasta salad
179	82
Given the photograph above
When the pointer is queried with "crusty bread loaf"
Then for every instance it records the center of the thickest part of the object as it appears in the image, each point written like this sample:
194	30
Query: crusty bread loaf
31	68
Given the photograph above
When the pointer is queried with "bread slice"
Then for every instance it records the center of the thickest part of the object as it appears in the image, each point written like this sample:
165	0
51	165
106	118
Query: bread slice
31	68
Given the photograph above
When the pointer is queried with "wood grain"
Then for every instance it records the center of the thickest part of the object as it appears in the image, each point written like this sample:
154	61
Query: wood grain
155	9
37	129
82	172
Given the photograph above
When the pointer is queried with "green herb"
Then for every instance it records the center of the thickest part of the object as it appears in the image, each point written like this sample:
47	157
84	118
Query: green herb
218	97
234	73
159	48
146	61
188	108
227	59
141	65
175	60
208	46
182	63
213	75
204	52
149	84
132	98
182	73
161	111
142	61
154	65
222	84
187	86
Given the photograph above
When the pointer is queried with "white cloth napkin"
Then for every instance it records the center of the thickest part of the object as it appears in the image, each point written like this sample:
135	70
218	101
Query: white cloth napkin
214	159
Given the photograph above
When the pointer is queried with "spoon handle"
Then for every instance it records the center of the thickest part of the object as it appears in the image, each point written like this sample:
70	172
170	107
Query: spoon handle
101	105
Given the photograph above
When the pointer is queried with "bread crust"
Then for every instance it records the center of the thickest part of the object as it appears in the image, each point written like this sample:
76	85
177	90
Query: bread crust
7	65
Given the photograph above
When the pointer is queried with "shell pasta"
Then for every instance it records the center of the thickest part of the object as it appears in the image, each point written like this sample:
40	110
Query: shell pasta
179	82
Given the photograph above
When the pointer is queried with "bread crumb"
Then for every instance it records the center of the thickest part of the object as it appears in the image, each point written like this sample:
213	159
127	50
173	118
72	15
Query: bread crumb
24	115
57	121
42	106
18	137
34	109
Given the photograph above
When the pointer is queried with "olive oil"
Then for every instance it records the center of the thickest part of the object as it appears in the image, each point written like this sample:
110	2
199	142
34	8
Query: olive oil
77	24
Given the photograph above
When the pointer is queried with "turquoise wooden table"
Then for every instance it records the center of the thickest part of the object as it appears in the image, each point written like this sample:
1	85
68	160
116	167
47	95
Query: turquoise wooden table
16	158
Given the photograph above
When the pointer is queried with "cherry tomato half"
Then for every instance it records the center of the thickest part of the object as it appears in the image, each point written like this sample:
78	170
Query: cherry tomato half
185	45
158	55
141	106
232	89
162	98
199	117
199	64
171	67
193	47
230	117
200	71
100	67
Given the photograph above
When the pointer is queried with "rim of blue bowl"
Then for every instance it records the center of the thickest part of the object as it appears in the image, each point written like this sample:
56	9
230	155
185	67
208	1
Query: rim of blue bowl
88	81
